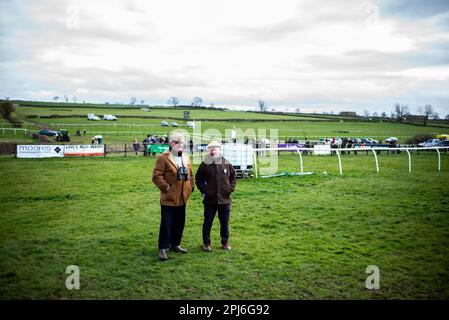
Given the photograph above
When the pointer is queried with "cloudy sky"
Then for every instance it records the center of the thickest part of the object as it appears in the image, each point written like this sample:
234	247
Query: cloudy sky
313	55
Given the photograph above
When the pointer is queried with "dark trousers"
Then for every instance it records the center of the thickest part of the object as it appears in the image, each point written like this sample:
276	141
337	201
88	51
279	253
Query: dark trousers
172	226
224	213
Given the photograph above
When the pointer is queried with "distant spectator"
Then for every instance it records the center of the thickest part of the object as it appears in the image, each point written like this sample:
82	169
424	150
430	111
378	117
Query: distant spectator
136	146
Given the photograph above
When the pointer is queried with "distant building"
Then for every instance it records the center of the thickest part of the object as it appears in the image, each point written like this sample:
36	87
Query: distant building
348	113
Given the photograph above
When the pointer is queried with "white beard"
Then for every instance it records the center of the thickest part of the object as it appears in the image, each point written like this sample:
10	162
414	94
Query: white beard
208	159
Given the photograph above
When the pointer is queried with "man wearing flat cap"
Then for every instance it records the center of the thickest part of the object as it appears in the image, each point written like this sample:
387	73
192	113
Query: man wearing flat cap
173	176
216	180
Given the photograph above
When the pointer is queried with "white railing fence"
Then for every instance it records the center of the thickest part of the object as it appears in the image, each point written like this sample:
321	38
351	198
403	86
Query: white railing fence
337	151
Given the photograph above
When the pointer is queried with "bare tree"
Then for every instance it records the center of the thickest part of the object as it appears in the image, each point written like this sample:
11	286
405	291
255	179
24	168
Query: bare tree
262	106
133	101
173	101
447	117
66	98
375	114
400	112
7	98
383	114
55	98
142	102
435	116
366	113
427	111
197	102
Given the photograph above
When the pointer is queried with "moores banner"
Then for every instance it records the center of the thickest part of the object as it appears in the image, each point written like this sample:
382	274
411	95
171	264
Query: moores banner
84	150
40	151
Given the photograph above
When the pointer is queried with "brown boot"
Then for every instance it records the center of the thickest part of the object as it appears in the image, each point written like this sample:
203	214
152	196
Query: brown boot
206	247
162	254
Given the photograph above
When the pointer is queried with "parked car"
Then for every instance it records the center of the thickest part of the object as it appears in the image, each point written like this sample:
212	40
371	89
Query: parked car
391	140
174	124
48	132
164	124
443	143
191	124
429	143
91	116
110	117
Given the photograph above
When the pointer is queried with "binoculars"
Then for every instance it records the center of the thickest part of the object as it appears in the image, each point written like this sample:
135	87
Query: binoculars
183	174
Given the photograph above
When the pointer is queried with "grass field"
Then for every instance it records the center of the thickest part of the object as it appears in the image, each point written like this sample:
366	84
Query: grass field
293	237
126	129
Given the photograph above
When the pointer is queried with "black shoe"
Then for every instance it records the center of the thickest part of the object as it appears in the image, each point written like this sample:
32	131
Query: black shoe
162	254
179	249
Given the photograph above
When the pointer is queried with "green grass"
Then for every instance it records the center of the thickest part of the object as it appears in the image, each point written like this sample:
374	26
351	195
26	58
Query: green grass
126	129
159	112
293	237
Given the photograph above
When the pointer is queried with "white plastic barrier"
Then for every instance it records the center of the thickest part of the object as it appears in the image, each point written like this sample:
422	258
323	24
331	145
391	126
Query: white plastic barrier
337	151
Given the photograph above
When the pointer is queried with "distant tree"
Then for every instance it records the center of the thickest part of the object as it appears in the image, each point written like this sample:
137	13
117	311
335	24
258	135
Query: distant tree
427	111
332	112
197	102
400	112
66	98
435	116
366	113
375	114
262	106
142	102
55	98
212	105
298	110
74	99
7	98
6	108
173	101
273	109
447	117
383	114
133	101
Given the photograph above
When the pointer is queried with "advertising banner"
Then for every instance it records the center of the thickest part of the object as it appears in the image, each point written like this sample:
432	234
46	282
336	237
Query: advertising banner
40	151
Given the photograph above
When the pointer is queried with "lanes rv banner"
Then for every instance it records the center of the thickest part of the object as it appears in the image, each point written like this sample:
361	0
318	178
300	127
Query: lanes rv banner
84	150
40	151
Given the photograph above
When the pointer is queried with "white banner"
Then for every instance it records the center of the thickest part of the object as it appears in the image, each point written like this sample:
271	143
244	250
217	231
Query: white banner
322	149
84	150
40	151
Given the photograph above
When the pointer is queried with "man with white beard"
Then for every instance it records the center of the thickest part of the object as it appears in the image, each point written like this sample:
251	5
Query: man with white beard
216	180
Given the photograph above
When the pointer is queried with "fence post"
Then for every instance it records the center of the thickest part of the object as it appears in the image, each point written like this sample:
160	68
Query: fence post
125	149
377	163
339	162
300	159
439	159
105	150
409	161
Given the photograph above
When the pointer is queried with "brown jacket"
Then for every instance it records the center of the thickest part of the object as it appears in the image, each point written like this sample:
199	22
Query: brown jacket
174	192
216	182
